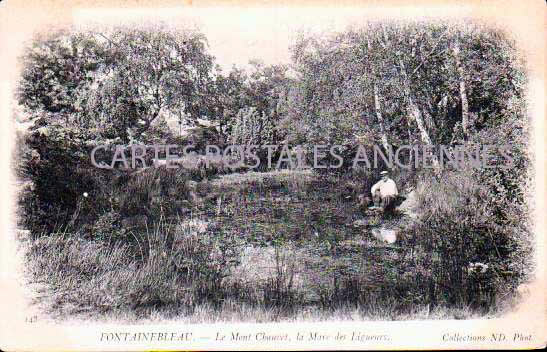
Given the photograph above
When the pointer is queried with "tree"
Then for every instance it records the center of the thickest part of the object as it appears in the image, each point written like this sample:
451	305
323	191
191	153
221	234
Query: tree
156	71
91	88
258	95
57	69
226	98
117	82
463	90
400	83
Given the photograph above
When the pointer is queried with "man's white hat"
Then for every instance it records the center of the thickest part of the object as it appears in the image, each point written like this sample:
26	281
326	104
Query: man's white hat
383	173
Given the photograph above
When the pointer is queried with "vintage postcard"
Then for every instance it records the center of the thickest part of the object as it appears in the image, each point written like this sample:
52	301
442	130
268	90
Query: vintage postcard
262	175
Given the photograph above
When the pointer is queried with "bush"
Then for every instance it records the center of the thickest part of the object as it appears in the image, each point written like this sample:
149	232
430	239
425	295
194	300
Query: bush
62	177
66	193
463	248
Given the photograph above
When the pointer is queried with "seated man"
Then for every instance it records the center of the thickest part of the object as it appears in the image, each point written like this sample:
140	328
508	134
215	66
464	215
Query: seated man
384	192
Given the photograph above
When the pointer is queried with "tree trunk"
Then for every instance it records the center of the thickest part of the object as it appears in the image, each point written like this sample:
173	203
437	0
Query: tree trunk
380	118
415	113
412	108
463	91
378	109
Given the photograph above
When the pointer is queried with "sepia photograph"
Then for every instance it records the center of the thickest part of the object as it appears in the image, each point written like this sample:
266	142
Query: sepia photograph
237	175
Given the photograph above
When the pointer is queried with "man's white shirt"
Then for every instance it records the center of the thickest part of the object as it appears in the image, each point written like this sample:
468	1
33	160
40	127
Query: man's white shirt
387	188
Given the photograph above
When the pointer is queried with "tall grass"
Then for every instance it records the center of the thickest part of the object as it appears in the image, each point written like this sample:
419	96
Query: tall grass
463	247
92	276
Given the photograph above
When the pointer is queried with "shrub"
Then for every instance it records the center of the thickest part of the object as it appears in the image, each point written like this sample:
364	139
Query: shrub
66	192
458	228
62	178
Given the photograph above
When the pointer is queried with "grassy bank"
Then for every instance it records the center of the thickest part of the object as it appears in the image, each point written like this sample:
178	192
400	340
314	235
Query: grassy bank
253	247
